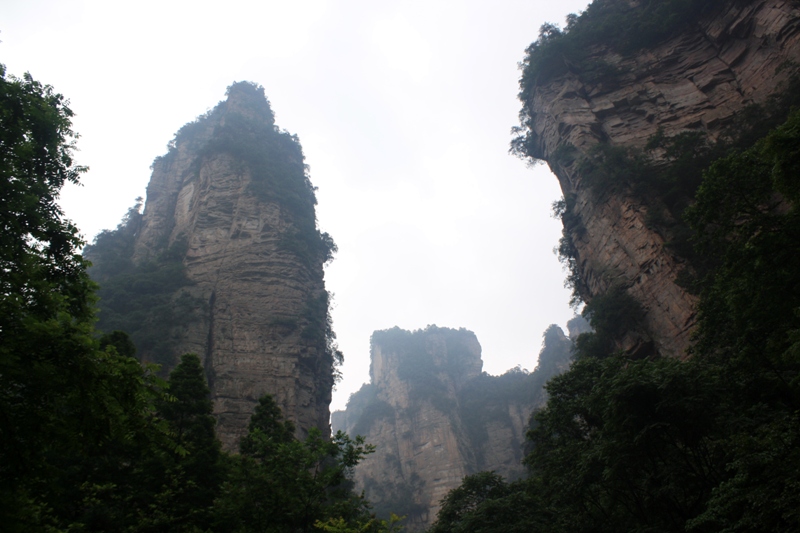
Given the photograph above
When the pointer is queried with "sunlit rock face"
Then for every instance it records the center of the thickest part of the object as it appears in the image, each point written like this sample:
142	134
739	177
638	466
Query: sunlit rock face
697	81
435	417
262	301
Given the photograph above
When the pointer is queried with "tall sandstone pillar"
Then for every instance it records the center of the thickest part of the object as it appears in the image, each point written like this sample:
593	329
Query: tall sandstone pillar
233	199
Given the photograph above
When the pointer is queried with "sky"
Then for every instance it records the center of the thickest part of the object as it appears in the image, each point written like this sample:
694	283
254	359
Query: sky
403	109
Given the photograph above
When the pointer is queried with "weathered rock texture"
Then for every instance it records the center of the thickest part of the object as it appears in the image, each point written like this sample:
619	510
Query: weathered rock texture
697	81
435	417
226	201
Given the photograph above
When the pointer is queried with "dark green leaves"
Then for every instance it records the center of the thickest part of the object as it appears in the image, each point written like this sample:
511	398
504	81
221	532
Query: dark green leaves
282	484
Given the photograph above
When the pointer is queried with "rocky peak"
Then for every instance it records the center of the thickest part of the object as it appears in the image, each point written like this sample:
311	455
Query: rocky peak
452	356
435	417
231	205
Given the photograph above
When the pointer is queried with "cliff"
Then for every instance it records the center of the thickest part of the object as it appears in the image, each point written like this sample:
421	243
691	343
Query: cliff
230	220
697	77
435	417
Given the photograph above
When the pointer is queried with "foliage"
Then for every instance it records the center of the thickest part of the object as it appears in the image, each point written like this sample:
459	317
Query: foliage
746	218
606	168
371	413
90	439
112	250
318	328
276	163
485	503
617	25
487	399
165	475
191	471
360	399
400	496
147	299
340	525
279	483
465	499
609	24
153	299
630	441
478	402
612	314
664	176
46	313
567	252
420	366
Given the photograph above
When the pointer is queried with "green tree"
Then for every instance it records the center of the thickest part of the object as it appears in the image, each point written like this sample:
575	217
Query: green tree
181	481
45	296
279	483
746	218
76	412
708	444
485	503
371	525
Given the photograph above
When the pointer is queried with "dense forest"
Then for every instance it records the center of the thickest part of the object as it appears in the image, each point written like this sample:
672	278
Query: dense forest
645	443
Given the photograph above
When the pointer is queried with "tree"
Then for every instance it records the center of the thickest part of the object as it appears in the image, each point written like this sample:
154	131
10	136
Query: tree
45	294
180	481
282	484
73	410
485	503
746	218
711	443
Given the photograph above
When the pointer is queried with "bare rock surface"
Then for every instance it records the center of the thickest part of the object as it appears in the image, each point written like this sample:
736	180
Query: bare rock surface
257	295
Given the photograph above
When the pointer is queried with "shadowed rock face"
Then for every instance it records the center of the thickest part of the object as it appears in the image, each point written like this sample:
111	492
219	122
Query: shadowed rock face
435	417
696	81
259	331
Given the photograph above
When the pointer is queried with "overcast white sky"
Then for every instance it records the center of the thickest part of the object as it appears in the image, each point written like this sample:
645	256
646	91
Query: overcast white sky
403	109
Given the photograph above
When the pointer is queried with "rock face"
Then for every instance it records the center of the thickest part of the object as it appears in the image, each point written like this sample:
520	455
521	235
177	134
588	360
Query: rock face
697	80
435	417
232	200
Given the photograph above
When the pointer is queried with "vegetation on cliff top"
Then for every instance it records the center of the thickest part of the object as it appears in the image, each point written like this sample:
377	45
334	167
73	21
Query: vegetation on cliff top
616	25
243	126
